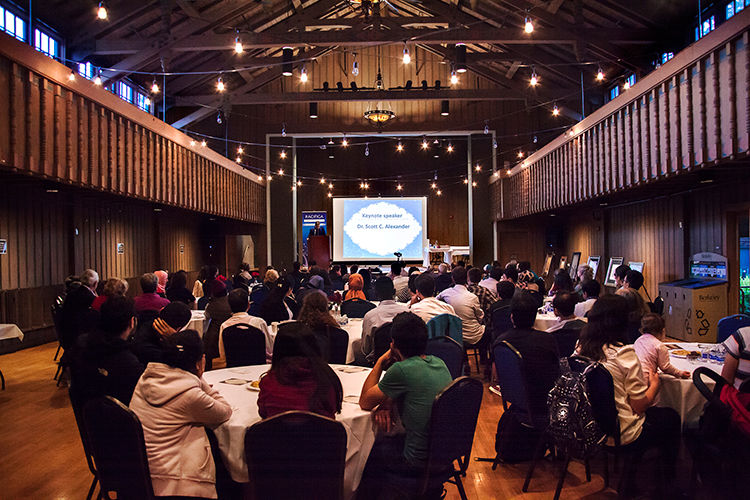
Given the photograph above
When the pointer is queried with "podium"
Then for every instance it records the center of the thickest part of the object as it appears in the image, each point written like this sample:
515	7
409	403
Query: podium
319	250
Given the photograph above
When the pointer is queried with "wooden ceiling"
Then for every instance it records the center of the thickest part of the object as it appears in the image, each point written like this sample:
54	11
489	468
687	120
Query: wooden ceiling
571	39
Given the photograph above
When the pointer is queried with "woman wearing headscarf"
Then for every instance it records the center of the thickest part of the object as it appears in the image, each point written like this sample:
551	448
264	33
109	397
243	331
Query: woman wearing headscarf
161	287
356	284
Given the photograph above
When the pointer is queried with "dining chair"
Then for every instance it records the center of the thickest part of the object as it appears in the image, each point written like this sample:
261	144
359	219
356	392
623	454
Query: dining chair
244	345
356	308
730	324
449	351
333	342
119	450
381	339
296	455
77	403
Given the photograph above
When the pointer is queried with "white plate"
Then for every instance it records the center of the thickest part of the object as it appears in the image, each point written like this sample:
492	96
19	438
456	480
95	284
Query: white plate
250	386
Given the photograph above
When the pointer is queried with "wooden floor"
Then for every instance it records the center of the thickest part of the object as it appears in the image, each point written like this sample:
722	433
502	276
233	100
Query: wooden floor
41	456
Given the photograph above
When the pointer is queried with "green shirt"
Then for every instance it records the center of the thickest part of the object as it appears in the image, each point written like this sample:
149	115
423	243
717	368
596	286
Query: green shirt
415	382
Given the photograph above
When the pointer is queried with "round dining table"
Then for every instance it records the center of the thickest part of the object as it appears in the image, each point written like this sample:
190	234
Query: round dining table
359	425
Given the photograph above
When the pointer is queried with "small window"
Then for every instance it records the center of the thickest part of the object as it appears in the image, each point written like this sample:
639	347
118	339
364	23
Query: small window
125	92
86	70
740	4
730	9
12	24
143	102
46	44
630	80
666	57
614	92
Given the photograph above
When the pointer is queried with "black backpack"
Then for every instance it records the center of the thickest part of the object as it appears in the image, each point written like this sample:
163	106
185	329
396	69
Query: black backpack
571	417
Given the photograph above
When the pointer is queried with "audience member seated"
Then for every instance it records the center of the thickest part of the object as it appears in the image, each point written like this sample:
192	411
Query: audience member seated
198	285
400	280
584	274
314	312
352	270
634	280
637	308
367	283
148	341
410	385
243	277
510	274
149	299
279	305
299	378
443	280
737	362
620	272
101	361
563	305
651	351
174	404
113	287
384	313
642	426
538	349
217	312
178	291
561	282
590	290
501	322
466	305
490	283
76	302
486	298
336	279
297	275
424	304
356	283
259	292
239	301
314	285
405	293
161	287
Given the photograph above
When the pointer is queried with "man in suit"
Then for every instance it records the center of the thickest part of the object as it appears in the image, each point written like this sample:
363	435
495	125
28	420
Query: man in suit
76	302
317	230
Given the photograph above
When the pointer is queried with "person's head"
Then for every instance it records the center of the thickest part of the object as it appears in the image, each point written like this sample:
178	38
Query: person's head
413	269
316	282
184	350
496	273
524	265
296	349
562	282
314	311
634	280
271	276
475	275
653	324
510	273
413	283
459	275
523	309
239	300
409	334
72	282
212	272
425	285
315	270
384	289
460	263
115	287
591	289
620	272
353	269
564	304
179	280
149	282
90	278
296	266
317	224
396	268
607	325
637	307
176	314
443	268
218	289
366	278
162	276
117	316
505	290
585	273
336	270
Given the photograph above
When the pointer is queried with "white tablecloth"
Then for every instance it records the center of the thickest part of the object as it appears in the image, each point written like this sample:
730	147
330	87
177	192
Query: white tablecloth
353	328
544	321
360	428
197	322
8	331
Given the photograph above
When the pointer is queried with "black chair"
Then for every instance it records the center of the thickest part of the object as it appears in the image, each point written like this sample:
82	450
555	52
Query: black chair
118	448
296	455
566	338
501	322
333	342
356	308
449	351
77	403
381	339
449	440
147	316
727	326
56	317
244	345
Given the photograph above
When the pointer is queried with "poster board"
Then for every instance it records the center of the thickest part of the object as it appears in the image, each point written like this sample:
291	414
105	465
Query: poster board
593	263
614	262
636	266
574	261
563	262
547	264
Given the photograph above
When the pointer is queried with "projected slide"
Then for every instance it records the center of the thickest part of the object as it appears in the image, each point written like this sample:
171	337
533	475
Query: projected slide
374	229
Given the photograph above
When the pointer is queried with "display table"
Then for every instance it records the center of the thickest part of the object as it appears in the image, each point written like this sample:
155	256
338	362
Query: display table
359	425
681	394
353	328
8	331
197	322
447	252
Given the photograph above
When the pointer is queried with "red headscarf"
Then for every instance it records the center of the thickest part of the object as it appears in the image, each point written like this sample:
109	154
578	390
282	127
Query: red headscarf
356	283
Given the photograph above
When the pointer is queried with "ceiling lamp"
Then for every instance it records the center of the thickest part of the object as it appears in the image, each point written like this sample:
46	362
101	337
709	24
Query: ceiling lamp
220	85
445	108
355	66
600	74
101	12
555	110
528	27
379	113
303	74
407	56
461	58
154	87
534	79
454	77
238	44
313	110
287	55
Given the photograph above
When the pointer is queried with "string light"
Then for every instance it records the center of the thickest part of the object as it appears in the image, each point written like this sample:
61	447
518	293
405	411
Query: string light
478	168
466	181
154	87
72	76
434	185
283	154
281	171
344	142
283	130
355	65
555	110
367	149
101	12
520	154
486	127
238	160
238	45
494	143
330	140
454	77
299	183
450	147
98	79
303	74
240	150
260	177
218	117
330	195
203	144
192	142
407	56
425	144
361	185
269	178
322	180
330	186
627	85
474	184
399	187
220	85
600	74
439	192
400	147
528	26
534	78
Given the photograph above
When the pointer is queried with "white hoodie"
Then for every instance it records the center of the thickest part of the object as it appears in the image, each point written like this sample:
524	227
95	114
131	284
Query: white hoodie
174	406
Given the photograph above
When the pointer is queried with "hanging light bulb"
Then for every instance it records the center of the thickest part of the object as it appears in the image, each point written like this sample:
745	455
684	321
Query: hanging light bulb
534	79
154	87
439	192
486	127
627	85
407	56
528	26
478	168
367	186
494	143
303	74
399	187
425	144
436	141
240	150
330	186
330	195
283	154
344	142
520	154
367	149
450	147
220	85
330	140
72	76
147	102
260	177
218	117
281	171
474	183
203	144
355	65
361	185
98	79
283	130
192	142
238	44
466	181
269	178
454	77
101	12
555	110
322	180
535	139
434	185
299	183
238	159
600	74
400	147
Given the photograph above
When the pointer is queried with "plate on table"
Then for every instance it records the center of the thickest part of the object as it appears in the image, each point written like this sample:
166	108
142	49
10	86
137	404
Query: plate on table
253	385
683	353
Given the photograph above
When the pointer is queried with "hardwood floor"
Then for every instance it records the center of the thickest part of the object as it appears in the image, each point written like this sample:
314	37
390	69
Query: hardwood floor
41	456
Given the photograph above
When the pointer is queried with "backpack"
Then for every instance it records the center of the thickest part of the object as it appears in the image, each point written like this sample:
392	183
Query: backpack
571	417
515	442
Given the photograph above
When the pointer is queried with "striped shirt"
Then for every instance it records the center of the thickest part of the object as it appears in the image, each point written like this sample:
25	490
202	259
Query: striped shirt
738	346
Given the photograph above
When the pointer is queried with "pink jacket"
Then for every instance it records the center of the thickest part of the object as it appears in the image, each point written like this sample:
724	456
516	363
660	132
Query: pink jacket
174	406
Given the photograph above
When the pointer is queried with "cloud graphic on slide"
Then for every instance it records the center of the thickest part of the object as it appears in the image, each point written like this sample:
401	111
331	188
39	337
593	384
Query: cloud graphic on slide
382	228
